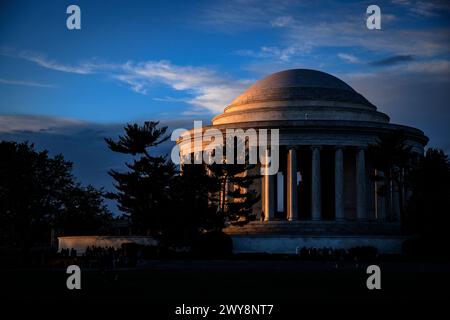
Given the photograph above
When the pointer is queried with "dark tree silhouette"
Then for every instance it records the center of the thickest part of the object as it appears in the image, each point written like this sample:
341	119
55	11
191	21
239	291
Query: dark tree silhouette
83	212
177	206
139	138
394	158
233	195
429	207
190	209
143	192
37	191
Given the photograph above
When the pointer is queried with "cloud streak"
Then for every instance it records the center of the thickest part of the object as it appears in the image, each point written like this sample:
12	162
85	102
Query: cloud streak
205	88
350	58
234	15
424	8
33	123
338	26
26	83
53	65
275	53
282	21
390	61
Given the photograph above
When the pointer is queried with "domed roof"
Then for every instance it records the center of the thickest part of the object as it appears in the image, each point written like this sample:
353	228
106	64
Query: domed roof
299	94
300	84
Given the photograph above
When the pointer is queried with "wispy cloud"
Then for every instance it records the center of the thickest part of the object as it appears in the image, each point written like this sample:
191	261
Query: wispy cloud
390	61
283	54
207	89
386	62
353	33
53	65
350	58
31	123
169	99
424	8
45	62
439	69
204	87
312	28
282	21
26	83
233	15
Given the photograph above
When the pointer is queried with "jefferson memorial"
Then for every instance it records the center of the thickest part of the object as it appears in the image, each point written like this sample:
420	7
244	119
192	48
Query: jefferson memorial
323	194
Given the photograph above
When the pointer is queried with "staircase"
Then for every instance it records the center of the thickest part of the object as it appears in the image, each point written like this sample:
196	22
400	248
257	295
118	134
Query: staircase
315	228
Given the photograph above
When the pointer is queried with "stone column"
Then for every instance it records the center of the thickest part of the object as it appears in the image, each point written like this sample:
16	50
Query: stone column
269	195
380	202
292	185
316	206
395	202
361	212
280	192
339	184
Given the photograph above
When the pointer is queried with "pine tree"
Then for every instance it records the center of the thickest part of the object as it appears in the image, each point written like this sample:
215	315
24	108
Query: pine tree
143	191
234	197
191	212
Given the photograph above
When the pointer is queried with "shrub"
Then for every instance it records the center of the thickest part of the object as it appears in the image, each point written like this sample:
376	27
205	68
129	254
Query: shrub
213	244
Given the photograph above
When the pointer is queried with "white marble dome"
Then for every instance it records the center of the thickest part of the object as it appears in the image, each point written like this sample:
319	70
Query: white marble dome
300	94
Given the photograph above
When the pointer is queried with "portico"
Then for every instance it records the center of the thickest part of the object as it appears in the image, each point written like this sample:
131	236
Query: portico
293	191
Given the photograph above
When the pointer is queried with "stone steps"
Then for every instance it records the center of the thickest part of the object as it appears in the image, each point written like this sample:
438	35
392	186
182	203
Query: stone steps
316	228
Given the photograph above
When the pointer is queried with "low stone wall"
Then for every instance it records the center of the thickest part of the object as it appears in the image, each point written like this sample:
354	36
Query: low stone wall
80	243
288	244
291	244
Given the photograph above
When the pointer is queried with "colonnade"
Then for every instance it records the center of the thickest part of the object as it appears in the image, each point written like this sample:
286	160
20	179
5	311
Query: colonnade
268	186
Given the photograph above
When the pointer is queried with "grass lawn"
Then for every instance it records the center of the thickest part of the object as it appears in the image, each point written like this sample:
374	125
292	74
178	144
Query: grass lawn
286	284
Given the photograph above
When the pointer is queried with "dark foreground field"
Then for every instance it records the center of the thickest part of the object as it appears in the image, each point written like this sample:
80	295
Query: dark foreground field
289	285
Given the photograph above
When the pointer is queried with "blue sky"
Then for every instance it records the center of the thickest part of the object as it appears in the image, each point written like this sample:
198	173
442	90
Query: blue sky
181	60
